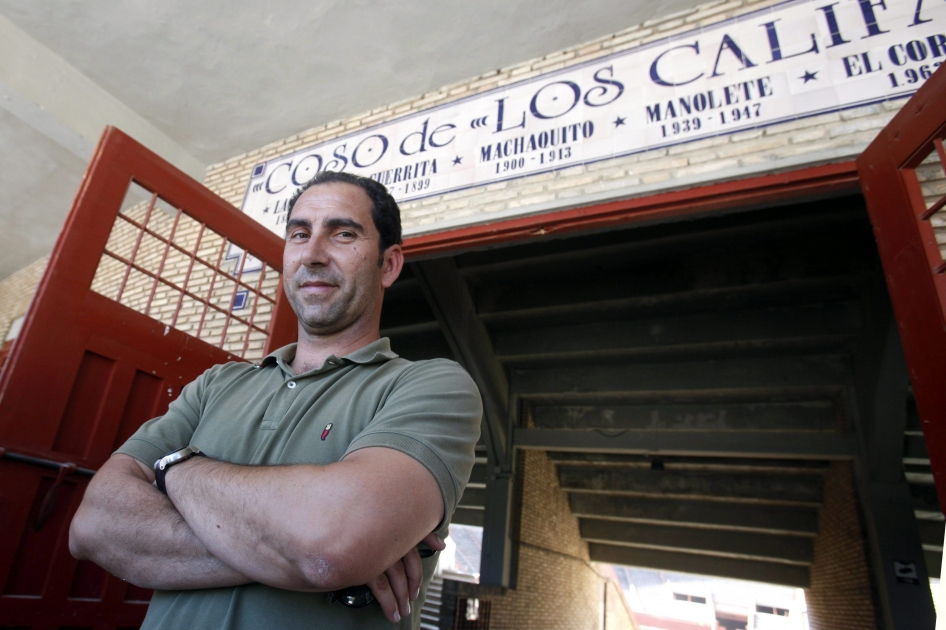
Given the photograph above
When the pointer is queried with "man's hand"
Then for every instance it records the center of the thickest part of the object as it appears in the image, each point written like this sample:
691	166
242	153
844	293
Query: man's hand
400	583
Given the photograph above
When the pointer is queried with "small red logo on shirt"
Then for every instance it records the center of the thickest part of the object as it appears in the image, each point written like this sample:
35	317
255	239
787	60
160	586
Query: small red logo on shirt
328	427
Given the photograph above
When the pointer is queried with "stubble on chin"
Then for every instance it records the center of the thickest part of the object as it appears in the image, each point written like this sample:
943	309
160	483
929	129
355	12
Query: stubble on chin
320	316
324	319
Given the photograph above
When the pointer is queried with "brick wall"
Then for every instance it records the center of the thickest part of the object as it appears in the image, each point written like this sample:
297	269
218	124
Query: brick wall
557	587
16	291
617	612
164	301
840	594
932	180
819	139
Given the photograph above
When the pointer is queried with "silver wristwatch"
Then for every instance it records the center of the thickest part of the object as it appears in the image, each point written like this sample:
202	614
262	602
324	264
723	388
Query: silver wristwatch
175	457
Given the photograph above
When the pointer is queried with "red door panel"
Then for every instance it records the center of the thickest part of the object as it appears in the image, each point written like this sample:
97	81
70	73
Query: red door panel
903	219
140	296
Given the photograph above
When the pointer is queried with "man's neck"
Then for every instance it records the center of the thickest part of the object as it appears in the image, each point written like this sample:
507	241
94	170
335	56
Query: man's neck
313	350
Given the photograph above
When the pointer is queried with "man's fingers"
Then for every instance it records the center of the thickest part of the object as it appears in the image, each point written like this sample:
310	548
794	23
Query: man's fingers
397	578
400	583
414	571
382	592
433	541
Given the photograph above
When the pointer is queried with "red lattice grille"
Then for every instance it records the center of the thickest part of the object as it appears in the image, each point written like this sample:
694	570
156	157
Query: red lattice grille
161	262
931	177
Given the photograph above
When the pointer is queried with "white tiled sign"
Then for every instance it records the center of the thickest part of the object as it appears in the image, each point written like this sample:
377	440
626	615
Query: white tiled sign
792	60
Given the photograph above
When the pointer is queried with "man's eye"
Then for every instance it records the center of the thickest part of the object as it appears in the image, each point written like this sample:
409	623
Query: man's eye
298	235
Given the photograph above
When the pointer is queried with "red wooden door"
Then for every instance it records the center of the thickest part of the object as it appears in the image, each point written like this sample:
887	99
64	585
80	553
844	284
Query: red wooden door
148	286
905	187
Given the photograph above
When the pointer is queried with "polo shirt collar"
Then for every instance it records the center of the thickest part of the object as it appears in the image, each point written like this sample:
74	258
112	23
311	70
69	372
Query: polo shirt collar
375	352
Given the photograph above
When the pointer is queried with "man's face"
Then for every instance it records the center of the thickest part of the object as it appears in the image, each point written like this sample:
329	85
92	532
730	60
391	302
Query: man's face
330	263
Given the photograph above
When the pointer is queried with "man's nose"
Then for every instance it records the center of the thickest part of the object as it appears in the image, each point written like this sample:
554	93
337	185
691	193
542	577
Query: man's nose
315	251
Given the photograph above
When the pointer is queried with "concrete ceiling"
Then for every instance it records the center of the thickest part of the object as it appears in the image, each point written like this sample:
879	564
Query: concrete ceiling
201	82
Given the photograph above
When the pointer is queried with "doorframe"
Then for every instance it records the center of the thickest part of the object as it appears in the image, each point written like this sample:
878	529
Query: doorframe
795	186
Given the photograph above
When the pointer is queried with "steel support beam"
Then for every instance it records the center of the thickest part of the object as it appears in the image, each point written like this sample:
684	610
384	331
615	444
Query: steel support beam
793	322
815	415
771	519
502	261
781	372
450	299
709	350
674	463
756	444
901	574
906	595
745	545
771	572
725	298
497	559
768	488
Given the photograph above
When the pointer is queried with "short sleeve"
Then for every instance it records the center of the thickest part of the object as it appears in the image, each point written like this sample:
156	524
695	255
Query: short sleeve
174	430
432	414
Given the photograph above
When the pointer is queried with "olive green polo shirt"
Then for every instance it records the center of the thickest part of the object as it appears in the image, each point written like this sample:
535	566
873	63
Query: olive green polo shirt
266	415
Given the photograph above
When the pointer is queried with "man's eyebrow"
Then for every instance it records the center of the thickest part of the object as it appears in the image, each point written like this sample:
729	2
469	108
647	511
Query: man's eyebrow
341	222
294	223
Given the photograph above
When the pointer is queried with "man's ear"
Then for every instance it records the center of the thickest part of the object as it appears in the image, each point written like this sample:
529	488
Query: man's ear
391	264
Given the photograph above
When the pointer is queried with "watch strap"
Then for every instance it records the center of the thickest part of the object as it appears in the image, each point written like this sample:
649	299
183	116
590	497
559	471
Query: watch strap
164	464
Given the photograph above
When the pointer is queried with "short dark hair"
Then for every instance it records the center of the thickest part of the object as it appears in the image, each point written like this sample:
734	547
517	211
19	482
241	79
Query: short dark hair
384	209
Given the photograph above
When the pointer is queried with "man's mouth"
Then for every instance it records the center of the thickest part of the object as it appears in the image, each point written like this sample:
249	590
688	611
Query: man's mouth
317	287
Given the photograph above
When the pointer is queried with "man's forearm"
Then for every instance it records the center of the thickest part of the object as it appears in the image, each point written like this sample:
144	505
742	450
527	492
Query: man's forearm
134	532
308	527
239	515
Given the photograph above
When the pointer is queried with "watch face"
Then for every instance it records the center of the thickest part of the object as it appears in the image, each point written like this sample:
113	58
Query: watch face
176	456
161	466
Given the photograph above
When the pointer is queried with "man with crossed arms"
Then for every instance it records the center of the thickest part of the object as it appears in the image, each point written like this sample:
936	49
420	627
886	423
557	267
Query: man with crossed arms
319	469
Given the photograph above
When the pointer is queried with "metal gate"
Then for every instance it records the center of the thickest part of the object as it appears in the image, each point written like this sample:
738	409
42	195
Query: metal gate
910	226
153	280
